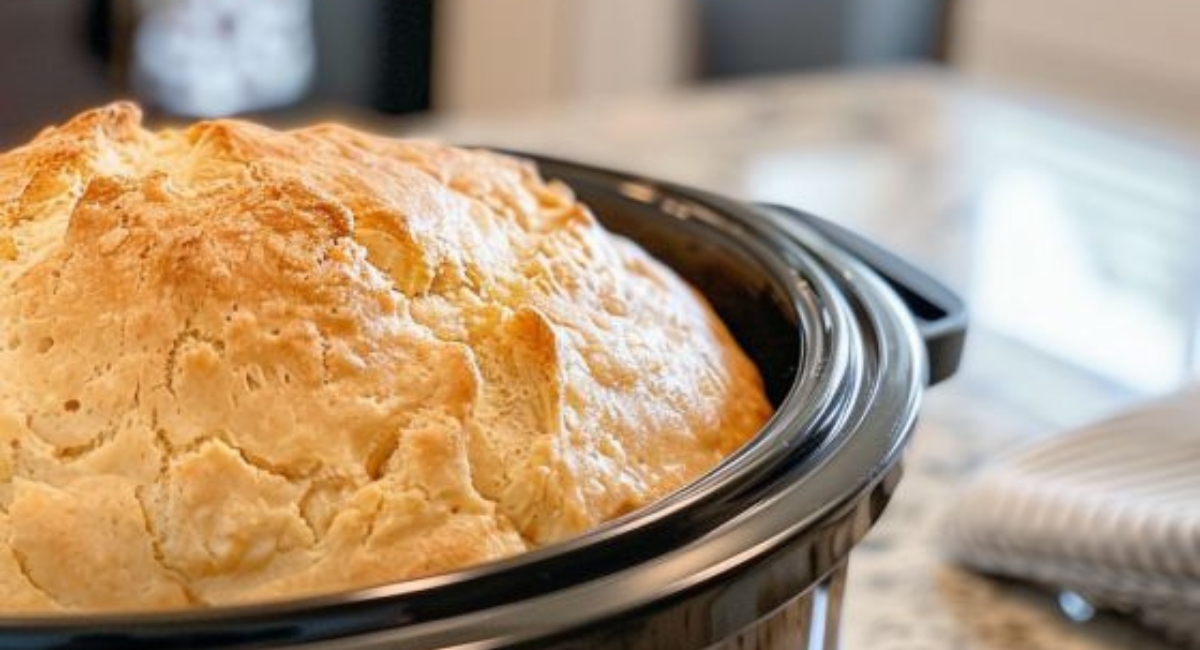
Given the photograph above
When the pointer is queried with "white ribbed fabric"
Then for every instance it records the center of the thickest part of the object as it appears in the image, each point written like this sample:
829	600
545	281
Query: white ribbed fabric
1111	511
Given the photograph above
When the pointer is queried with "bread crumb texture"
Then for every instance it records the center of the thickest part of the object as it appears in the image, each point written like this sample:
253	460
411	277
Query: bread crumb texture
239	364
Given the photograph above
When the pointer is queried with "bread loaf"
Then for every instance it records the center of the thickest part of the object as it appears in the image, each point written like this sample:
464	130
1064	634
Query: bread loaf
240	364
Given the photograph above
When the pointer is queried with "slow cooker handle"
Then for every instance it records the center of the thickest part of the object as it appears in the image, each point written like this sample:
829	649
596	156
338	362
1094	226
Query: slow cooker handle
940	315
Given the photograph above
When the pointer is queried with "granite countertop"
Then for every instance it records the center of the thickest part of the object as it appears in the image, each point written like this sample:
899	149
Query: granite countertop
1070	235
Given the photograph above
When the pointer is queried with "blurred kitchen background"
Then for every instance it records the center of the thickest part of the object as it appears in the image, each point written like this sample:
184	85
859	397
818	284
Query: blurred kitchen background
215	57
1042	157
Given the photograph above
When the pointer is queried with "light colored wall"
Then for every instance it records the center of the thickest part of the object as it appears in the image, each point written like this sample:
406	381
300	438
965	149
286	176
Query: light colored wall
510	54
1140	59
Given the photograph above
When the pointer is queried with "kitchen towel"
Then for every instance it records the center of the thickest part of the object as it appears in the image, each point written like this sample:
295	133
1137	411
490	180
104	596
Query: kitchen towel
1110	512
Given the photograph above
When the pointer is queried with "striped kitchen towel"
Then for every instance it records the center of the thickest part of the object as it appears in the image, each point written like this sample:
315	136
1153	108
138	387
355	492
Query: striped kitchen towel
1110	512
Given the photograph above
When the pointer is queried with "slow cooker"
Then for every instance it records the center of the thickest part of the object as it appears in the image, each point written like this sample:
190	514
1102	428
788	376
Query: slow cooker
751	555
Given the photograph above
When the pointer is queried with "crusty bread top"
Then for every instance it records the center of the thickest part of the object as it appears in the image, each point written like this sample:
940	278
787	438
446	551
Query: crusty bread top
241	364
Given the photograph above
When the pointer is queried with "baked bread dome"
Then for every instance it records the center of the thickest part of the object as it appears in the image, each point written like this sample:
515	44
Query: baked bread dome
240	364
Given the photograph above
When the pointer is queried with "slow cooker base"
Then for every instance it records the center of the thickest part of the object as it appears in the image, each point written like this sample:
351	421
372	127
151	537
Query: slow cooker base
808	622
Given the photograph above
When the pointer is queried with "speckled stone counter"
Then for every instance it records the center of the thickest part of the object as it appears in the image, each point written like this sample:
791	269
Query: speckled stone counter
1027	209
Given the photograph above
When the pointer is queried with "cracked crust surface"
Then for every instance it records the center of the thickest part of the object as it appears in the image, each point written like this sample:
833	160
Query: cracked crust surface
240	364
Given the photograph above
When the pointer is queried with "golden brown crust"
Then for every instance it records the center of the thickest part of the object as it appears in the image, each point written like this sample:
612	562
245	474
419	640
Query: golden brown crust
239	364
